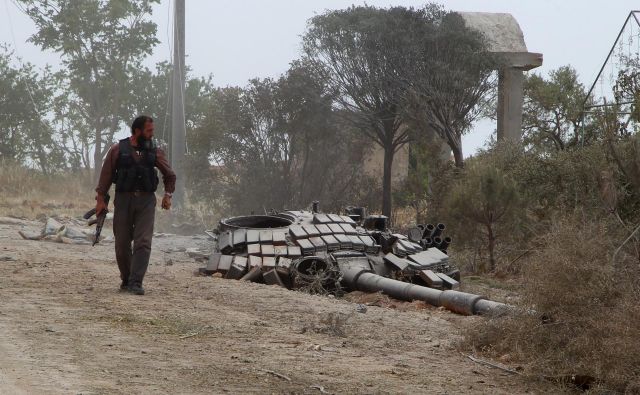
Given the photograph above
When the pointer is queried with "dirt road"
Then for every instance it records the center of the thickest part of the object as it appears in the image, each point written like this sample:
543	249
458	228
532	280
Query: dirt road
65	328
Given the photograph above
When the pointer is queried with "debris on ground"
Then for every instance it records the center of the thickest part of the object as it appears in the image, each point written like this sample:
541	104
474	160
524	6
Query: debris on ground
70	232
329	253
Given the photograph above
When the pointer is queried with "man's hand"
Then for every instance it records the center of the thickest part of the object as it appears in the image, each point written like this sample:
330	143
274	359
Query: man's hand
100	205
166	202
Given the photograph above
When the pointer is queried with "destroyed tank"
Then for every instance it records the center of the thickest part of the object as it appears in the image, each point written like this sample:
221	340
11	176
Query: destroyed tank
331	253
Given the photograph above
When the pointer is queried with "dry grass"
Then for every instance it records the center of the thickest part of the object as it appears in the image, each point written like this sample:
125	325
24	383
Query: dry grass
583	315
30	194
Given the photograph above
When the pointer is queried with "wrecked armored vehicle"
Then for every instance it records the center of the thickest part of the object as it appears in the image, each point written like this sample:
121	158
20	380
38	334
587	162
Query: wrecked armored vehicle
329	253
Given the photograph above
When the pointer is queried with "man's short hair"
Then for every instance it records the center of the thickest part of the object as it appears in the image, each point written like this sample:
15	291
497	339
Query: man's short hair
139	123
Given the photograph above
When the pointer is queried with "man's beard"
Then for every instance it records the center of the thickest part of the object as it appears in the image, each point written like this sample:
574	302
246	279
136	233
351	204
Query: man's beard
144	142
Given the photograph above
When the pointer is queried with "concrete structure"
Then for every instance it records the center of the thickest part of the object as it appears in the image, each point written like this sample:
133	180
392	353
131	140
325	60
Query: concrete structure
505	39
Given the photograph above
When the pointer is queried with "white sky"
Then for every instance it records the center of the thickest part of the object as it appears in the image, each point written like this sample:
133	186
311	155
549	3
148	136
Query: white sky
242	39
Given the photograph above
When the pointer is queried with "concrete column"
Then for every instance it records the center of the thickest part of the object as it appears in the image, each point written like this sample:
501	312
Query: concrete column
510	101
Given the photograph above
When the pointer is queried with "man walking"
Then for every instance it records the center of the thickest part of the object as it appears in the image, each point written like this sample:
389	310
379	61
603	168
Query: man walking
130	164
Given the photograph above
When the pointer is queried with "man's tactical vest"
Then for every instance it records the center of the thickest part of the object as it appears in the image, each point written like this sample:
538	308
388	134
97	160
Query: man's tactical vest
132	175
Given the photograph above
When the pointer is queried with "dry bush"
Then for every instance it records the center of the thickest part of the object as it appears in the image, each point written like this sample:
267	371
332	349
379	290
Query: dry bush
29	193
580	313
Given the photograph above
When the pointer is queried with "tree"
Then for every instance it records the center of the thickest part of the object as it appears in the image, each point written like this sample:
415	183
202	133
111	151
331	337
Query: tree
274	144
355	51
26	134
152	95
416	189
102	44
553	116
486	197
449	74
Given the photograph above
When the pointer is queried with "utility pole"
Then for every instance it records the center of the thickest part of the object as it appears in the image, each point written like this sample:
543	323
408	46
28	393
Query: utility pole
178	145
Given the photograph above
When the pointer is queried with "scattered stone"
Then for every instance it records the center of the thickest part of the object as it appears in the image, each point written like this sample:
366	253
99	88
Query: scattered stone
7	258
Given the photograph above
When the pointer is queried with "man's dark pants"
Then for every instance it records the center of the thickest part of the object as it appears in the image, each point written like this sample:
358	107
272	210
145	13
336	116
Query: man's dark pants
133	218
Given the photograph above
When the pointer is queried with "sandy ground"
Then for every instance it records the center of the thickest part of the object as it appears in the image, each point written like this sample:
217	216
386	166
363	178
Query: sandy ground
66	329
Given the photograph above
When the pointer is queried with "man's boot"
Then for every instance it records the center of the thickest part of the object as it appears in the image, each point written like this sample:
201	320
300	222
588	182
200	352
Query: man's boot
136	289
124	286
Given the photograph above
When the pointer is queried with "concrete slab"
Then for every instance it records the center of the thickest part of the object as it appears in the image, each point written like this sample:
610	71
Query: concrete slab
239	237
311	230
348	229
267	250
396	262
279	238
321	219
430	278
268	262
253	236
225	263
356	243
297	232
345	241
254	261
332	243
318	244
294	251
336	228
266	237
253	249
306	247
324	229
280	250
347	220
448	282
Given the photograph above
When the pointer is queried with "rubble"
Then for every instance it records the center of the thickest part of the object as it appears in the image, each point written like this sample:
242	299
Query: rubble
57	232
328	253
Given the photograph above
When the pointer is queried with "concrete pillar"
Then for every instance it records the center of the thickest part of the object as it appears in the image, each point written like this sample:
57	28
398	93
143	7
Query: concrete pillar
510	101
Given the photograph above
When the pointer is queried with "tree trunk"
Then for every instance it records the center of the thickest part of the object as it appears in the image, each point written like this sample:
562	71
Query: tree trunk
386	180
492	247
457	156
97	156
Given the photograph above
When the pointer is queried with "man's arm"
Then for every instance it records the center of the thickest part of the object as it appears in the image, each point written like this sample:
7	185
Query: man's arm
168	177
106	177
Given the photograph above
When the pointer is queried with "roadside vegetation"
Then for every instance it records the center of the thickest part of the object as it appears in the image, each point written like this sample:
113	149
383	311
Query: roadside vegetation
554	217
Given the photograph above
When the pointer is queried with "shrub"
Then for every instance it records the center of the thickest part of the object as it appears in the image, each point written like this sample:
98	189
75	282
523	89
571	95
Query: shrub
579	311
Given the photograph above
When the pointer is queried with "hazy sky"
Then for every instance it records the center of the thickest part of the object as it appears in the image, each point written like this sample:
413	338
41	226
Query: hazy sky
241	39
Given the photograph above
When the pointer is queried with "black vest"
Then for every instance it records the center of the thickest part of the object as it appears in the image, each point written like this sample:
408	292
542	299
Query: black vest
132	175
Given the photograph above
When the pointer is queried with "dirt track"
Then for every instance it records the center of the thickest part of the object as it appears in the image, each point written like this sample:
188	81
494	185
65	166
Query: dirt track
65	328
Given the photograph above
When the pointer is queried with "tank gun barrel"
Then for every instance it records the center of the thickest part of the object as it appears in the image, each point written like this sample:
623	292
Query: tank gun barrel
357	278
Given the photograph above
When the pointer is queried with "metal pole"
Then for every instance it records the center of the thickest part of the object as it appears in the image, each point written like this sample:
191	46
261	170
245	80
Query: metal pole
178	146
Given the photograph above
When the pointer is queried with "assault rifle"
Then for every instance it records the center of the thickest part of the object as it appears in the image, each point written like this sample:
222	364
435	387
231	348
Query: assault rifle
99	220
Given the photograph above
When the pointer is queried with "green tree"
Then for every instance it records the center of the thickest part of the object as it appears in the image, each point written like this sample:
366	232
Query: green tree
26	134
449	75
275	144
355	51
102	44
485	197
552	118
